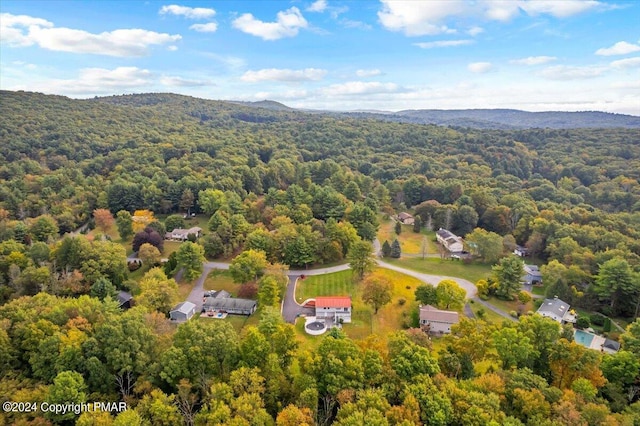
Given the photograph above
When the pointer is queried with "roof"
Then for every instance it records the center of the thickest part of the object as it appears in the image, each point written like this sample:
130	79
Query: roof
611	344
444	233
229	303
195	230
333	302
404	215
429	313
554	306
221	294
532	270
124	297
184	307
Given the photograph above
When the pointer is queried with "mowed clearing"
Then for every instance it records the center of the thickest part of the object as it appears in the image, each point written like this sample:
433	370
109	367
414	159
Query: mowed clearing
390	318
410	242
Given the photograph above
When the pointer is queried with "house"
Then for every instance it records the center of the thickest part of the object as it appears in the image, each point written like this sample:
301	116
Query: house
610	346
336	309
183	234
557	310
532	275
436	321
449	240
521	251
182	312
124	300
220	294
406	219
230	305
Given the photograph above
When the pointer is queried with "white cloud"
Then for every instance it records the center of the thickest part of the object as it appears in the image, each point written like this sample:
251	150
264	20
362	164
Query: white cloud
620	48
429	17
318	6
368	73
480	67
188	12
474	31
359	88
559	9
174	81
96	81
349	23
443	43
565	72
287	24
626	63
210	27
172	48
419	18
26	31
533	60
286	75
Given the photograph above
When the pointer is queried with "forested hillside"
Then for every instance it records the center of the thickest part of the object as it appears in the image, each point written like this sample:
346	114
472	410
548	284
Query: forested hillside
275	188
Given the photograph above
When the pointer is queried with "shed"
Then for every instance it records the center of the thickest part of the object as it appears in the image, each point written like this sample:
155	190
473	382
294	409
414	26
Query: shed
124	300
183	312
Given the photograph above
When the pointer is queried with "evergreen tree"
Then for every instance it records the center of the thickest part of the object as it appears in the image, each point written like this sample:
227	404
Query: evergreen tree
417	224
398	228
395	250
386	249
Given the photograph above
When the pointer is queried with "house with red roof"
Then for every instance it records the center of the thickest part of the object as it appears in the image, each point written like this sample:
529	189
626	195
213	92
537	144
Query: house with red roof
334	308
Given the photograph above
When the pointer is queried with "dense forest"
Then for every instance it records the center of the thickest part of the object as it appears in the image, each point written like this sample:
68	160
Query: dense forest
282	188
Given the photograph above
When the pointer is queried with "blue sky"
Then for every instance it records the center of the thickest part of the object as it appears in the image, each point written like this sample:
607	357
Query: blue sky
535	55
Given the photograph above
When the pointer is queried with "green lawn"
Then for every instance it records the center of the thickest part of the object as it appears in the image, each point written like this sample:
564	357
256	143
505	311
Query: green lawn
221	280
410	242
389	318
452	268
336	284
508	306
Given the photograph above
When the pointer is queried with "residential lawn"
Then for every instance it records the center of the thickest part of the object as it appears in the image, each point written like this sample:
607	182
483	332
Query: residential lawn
539	290
488	315
453	268
389	318
184	289
410	242
335	284
508	306
170	247
221	280
237	321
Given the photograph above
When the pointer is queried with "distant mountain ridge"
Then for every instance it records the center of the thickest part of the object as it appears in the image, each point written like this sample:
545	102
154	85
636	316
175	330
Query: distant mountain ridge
506	119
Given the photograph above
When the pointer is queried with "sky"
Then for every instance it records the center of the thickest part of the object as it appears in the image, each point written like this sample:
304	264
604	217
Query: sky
534	55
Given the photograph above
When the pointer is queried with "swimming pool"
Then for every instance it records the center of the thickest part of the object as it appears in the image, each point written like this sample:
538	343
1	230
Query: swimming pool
583	338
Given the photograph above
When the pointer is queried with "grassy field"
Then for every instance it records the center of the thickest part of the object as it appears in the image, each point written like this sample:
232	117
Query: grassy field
336	284
410	242
488	315
453	268
508	306
221	280
389	318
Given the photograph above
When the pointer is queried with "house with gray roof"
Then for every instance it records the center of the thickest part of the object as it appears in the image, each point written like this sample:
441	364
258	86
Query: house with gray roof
449	240
229	305
557	310
437	321
182	312
532	275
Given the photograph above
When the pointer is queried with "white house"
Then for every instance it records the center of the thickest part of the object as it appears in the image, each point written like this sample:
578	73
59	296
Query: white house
334	308
521	251
557	310
449	240
406	219
183	234
436	321
183	312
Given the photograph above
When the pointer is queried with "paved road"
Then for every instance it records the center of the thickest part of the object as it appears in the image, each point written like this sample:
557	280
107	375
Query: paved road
290	308
471	289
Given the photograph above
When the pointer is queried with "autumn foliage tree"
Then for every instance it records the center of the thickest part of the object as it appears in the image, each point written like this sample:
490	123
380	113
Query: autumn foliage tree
104	219
376	291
